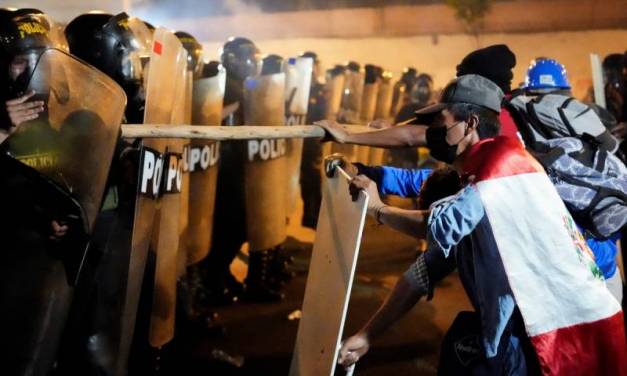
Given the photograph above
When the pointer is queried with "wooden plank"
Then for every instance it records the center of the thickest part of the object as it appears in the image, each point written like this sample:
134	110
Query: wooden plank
243	132
331	272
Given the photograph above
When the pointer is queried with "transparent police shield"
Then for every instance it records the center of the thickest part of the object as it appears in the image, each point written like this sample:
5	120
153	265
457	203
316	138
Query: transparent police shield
366	115
203	156
297	88
350	108
72	142
157	207
382	111
184	116
266	183
334	87
144	35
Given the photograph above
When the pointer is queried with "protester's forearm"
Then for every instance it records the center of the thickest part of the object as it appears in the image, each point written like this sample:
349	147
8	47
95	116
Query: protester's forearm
394	137
410	222
402	298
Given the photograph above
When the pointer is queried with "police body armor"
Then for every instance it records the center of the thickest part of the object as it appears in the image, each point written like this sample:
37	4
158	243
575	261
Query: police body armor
58	171
297	88
203	156
265	171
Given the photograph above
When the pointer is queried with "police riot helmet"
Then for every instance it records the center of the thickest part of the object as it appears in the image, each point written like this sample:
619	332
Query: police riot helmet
194	51
240	58
353	66
422	89
310	54
108	43
23	37
272	64
373	73
545	73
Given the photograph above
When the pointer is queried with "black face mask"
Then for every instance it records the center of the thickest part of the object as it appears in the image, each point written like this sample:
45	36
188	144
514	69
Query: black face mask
439	148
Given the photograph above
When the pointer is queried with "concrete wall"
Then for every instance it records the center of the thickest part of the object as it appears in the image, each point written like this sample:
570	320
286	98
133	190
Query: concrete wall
439	55
438	18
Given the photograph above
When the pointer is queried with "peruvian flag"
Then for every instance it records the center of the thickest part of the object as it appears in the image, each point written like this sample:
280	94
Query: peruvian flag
574	323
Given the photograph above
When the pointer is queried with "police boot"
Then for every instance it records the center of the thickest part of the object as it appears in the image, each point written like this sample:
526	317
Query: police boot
190	316
259	285
279	273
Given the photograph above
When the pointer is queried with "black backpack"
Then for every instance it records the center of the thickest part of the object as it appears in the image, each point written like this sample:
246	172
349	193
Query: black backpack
577	152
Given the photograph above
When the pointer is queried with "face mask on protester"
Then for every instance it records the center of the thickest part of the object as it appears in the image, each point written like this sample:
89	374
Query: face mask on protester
439	148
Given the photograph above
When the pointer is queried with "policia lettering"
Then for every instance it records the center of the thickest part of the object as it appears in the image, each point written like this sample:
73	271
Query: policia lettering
200	158
155	178
265	150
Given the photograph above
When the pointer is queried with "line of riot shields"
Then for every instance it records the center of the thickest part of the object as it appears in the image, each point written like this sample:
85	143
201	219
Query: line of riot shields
142	228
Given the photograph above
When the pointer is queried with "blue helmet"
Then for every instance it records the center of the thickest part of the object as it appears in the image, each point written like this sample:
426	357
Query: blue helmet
546	73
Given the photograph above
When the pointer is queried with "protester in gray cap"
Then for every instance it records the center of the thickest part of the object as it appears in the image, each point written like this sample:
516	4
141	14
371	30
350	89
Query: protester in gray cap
462	232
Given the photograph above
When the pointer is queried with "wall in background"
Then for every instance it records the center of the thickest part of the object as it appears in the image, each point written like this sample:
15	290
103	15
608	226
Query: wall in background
440	55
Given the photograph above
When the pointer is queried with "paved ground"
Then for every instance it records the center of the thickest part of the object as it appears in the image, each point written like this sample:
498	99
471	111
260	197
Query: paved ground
261	336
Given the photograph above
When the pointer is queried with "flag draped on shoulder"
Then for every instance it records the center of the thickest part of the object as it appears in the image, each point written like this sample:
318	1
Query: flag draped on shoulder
574	323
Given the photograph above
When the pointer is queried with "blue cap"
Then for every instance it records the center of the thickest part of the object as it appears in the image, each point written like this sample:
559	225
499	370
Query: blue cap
546	74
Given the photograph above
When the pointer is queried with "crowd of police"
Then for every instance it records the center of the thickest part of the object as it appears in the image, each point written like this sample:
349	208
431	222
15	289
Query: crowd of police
83	276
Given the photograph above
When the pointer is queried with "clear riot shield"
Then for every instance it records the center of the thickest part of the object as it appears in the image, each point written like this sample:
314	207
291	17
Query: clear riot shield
184	116
264	104
350	109
366	114
144	35
203	156
398	98
155	208
72	142
297	88
52	171
166	238
382	111
334	88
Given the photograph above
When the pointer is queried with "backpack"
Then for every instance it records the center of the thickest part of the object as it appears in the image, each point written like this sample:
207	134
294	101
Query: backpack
591	181
576	151
549	116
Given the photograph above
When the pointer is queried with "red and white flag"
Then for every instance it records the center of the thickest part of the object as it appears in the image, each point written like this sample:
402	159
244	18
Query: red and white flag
573	321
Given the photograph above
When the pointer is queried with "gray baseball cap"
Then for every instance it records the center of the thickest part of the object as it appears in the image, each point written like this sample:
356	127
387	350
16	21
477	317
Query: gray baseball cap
469	88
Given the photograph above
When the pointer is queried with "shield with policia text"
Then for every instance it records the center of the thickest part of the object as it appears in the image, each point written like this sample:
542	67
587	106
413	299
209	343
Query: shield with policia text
165	240
157	206
368	105
334	87
266	186
297	87
73	151
54	167
382	111
203	155
350	106
183	115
